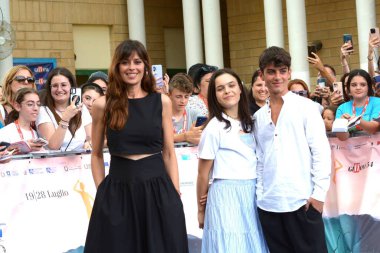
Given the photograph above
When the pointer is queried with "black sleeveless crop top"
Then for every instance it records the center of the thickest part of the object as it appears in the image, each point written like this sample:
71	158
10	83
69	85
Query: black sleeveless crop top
142	133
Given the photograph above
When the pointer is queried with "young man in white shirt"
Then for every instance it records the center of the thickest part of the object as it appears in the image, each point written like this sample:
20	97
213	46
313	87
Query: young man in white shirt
294	162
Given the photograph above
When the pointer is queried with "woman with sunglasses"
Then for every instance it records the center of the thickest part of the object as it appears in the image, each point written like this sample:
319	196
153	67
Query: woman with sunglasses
299	87
26	108
201	81
64	124
18	77
362	103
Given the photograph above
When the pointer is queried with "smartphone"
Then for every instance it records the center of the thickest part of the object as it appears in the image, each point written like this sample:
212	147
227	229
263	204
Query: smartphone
4	145
321	82
200	120
157	73
374	32
348	38
76	93
338	88
41	141
311	49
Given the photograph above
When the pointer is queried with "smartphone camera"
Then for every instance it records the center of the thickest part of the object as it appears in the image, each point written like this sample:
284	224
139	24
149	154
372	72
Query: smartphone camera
348	38
321	82
311	49
200	120
373	30
76	94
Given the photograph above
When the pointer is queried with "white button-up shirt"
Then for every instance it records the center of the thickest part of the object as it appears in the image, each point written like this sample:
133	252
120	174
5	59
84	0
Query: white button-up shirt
294	157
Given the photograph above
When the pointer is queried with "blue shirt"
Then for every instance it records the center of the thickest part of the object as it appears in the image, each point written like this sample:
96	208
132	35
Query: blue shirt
372	111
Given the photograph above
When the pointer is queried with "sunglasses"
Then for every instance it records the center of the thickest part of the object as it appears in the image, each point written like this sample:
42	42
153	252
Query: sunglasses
302	93
21	79
209	69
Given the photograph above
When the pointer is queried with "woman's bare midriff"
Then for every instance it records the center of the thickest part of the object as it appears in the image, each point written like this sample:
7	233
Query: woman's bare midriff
135	156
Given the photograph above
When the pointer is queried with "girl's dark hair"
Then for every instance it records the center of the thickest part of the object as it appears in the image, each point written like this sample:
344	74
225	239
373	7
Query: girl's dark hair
201	72
331	108
215	109
365	75
116	111
92	86
19	97
344	85
75	121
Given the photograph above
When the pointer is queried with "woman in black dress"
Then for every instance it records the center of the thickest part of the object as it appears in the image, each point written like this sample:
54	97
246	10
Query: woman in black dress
138	206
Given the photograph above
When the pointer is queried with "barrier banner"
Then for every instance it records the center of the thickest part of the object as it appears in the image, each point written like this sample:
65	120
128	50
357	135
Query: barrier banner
45	204
352	208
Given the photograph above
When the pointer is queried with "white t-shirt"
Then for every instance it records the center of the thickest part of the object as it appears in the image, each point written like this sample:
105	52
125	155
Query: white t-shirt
10	134
77	142
232	150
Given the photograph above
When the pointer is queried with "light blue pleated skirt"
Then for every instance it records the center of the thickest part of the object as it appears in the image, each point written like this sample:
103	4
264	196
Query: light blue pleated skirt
231	220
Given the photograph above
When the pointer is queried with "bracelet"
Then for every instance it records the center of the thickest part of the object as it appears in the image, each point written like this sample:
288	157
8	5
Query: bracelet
370	59
64	124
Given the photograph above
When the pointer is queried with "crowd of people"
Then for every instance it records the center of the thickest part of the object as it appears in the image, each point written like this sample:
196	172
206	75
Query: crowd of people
264	146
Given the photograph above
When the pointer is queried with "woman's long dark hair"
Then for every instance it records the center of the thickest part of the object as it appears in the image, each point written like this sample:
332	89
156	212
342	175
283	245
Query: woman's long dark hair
216	110
75	121
116	111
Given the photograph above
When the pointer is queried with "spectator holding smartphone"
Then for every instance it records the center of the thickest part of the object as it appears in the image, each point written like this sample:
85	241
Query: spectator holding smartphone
324	70
65	125
345	51
227	151
362	104
336	99
184	117
26	108
290	136
373	42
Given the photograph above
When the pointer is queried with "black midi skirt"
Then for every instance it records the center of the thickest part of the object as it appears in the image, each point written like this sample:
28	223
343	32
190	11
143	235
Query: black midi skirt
137	209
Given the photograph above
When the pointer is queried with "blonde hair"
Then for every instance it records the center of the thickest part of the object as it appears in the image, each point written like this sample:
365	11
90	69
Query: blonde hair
8	95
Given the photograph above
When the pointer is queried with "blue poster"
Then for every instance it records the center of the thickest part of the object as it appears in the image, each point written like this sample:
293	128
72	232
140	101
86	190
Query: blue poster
39	66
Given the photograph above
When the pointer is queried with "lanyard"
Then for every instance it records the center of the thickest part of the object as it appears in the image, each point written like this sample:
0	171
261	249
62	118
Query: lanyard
364	109
203	99
20	132
183	129
354	107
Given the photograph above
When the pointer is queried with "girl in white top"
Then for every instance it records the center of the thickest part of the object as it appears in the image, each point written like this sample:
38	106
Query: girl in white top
26	108
17	77
64	124
227	151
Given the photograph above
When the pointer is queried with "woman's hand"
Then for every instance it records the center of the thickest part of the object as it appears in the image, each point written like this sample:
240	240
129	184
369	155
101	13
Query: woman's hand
316	61
201	218
35	146
336	99
71	111
345	51
194	134
346	116
87	145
